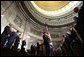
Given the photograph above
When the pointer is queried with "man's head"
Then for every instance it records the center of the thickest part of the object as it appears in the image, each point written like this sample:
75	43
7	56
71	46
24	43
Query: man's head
76	9
45	29
17	31
7	29
23	43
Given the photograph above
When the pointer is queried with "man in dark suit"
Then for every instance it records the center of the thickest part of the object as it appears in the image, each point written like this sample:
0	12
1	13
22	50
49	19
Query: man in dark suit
5	35
16	43
11	39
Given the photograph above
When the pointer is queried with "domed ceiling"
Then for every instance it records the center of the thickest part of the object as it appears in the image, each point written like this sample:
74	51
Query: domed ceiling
53	13
54	8
51	5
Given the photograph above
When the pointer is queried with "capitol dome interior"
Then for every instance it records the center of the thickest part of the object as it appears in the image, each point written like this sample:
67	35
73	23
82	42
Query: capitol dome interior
63	19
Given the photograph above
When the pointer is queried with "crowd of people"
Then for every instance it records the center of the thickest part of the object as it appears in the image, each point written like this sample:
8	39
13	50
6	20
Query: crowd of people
71	45
10	41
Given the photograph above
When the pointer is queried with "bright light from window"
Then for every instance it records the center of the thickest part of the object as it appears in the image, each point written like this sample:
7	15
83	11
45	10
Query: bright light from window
2	15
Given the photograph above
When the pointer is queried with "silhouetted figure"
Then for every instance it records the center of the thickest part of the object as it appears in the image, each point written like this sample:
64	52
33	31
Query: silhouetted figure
22	52
16	43
33	50
5	35
68	40
38	47
11	39
47	46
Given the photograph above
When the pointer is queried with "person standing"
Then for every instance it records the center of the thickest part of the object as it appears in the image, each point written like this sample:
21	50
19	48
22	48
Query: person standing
5	34
47	41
